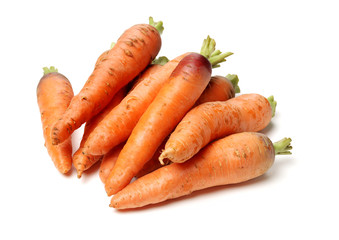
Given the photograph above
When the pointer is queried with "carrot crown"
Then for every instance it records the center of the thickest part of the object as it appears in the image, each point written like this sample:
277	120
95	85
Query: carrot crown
283	146
160	60
51	69
214	56
273	104
234	80
158	25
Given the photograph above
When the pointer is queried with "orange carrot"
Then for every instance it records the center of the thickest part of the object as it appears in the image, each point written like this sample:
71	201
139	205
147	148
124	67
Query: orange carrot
176	97
108	162
213	120
54	93
119	123
134	50
233	159
81	160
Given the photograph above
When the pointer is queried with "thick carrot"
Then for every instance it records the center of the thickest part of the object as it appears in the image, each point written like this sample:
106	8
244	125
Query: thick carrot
176	97
134	50
233	159
119	123
219	89
213	120
108	162
81	160
54	93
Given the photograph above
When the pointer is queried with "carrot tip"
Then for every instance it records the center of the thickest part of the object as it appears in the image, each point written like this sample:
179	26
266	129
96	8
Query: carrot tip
273	104
214	56
158	25
283	146
166	155
235	81
51	69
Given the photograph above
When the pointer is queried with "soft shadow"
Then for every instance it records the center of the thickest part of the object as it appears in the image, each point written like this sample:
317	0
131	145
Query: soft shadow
268	128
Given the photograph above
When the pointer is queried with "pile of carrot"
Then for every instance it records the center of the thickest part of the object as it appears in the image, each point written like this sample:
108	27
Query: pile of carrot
169	125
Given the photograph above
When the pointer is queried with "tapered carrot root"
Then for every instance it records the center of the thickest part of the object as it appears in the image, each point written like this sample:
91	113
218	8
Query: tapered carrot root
54	93
108	162
175	98
119	124
213	120
133	51
81	160
233	159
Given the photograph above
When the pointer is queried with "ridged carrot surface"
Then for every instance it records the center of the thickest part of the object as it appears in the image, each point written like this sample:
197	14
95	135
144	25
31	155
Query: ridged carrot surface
133	51
233	159
213	120
54	93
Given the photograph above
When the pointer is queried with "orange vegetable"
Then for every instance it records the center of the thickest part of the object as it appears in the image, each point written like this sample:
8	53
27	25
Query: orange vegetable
81	160
108	162
233	159
134	50
54	93
119	123
213	120
175	98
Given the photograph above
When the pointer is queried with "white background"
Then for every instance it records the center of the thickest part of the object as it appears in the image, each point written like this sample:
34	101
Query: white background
286	48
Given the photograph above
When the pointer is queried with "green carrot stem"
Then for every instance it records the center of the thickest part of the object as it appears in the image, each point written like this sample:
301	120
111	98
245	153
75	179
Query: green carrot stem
273	104
160	60
158	25
235	81
283	146
51	69
214	56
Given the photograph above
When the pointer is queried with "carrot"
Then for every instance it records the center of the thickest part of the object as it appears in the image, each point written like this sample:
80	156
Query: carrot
108	162
213	120
119	123
54	93
233	159
81	160
104	55
218	89
134	50
176	97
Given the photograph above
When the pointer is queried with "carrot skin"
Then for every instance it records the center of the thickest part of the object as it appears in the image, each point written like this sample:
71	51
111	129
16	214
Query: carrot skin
81	160
54	93
233	159
119	123
213	120
179	94
108	162
134	50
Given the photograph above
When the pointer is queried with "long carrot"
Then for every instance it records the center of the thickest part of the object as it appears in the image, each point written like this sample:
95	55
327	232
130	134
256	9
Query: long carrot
233	159
175	98
108	162
213	120
133	51
54	93
119	123
81	160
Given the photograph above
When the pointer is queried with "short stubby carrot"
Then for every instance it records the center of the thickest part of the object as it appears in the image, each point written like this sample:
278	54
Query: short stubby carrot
133	51
81	160
54	93
213	120
233	159
176	97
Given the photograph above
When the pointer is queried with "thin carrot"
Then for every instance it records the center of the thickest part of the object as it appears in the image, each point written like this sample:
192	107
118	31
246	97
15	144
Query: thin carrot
233	159
134	50
108	162
81	160
54	93
213	120
175	98
119	123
